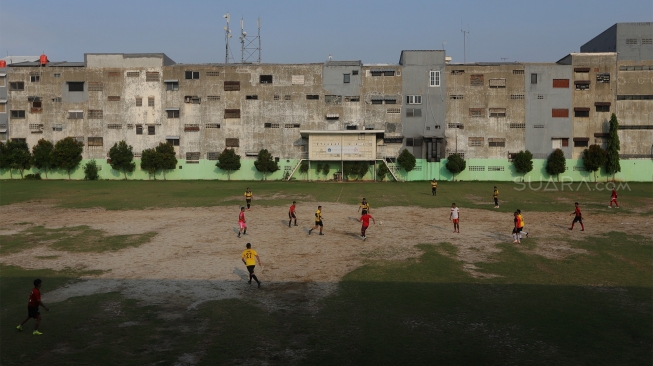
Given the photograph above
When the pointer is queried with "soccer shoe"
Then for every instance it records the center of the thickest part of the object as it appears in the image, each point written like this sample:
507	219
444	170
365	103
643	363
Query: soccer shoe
321	234
36	332
310	231
571	228
514	241
259	284
609	206
19	328
296	224
249	282
582	229
527	235
239	235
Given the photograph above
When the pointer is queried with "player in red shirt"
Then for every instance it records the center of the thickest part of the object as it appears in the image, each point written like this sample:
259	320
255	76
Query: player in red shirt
33	307
365	219
291	214
242	226
613	198
577	218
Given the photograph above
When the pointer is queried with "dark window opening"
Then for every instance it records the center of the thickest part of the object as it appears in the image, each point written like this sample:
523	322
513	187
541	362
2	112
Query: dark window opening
377	101
173	141
251	97
172	85
192	75
354	72
582	112
151	130
17	85
351	127
312	97
232	113
603	108
376	73
346	78
533	78
231	85
232	142
139	129
265	79
173	113
17	114
35	78
582	143
75	86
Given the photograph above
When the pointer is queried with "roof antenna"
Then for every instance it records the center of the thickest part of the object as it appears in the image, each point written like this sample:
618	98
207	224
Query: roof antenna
227	35
330	57
465	32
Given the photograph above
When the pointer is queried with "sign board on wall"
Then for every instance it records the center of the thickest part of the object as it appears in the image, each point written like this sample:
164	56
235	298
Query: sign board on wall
298	79
336	149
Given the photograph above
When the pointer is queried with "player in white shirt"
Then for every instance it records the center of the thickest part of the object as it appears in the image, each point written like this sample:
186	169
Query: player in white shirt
455	217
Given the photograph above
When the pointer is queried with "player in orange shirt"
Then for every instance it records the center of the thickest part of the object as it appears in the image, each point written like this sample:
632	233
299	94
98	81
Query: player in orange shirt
517	228
242	224
578	218
613	198
365	219
291	214
33	307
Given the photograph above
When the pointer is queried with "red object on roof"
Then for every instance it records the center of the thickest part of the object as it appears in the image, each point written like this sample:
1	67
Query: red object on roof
44	59
3	63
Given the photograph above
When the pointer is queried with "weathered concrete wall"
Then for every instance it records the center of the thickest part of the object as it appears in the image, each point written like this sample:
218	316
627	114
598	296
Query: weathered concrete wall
485	102
541	99
4	106
635	107
635	41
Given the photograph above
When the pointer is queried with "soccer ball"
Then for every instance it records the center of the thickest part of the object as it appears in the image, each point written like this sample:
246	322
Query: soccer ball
380	222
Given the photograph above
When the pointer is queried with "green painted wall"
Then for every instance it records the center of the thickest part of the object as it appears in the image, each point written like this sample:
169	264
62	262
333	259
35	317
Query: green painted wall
631	170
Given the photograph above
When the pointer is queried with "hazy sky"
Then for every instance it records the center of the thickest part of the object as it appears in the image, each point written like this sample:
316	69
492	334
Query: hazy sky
300	31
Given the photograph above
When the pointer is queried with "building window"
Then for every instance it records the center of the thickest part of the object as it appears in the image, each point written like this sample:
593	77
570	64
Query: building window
602	107
133	74
354	72
173	113
540	96
333	99
496	142
265	79
95	114
517	125
351	127
634	97
16	85
35	78
475	141
476	168
212	98
139	101
192	99
647	40
150	101
603	78
456	96
75	115
95	141
114	126
113	98
152	76
151	130
497	83
581	112
232	113
56	75
434	78
457	72
516	96
582	84
377	100
113	74
17	114
190	75
497	112
3	107
413	99
270	125
287	97
346	78
139	129
376	72
95	86
533	78
276	97
292	125
251	97
57	127
232	142
476	80
557	143
75	86
559	113
581	142
561	83
390	100
231	85
213	73
389	73
172	85
413	112
477	112
211	125
172	141
518	72
312	97
631	41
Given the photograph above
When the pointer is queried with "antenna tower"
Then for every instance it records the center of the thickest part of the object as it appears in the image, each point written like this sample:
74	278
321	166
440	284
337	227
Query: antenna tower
465	32
250	47
227	35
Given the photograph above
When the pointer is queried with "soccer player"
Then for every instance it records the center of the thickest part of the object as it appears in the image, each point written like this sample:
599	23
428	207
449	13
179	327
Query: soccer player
434	187
521	228
33	307
516	236
613	198
578	218
455	217
365	219
291	214
248	258
364	205
248	198
242	224
318	221
495	195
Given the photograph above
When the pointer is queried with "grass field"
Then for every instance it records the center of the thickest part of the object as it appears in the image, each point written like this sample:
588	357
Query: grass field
591	306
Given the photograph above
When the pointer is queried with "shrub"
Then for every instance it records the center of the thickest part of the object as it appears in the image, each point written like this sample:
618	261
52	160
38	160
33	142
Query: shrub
91	170
36	176
229	161
42	155
122	157
556	163
594	158
67	154
382	172
523	162
265	163
406	161
455	164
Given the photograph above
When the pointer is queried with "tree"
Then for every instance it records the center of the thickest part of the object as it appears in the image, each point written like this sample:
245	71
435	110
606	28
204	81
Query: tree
67	154
42	155
350	169
406	161
228	160
150	161
4	157
167	159
523	162
265	163
318	170
455	164
594	158
325	170
382	172
303	168
19	156
122	157
91	170
612	165
363	168
556	163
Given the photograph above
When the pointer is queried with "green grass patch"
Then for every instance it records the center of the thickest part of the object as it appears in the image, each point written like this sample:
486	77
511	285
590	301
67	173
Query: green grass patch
71	239
122	195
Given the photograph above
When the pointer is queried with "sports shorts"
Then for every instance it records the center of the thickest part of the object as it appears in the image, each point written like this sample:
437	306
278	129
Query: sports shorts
455	221
516	230
33	312
250	269
242	225
318	223
578	219
291	215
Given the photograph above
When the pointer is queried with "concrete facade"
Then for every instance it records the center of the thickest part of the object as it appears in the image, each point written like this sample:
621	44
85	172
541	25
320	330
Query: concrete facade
632	41
4	106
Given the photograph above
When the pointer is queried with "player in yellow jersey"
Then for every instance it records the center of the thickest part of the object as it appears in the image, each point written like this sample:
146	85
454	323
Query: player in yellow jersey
318	221
521	222
495	195
434	187
364	205
248	198
249	257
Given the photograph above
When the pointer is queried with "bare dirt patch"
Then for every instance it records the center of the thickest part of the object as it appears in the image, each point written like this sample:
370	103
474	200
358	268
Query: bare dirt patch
196	255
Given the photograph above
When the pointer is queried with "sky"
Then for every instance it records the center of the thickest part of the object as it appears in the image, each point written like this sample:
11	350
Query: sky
306	31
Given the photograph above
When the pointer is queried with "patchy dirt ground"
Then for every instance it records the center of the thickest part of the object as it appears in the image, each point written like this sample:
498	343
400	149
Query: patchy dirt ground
196	255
